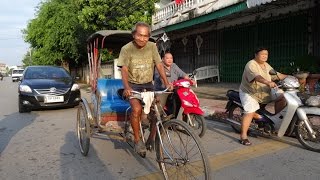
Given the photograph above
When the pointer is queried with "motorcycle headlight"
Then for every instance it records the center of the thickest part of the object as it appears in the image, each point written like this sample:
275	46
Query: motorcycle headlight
75	87
25	88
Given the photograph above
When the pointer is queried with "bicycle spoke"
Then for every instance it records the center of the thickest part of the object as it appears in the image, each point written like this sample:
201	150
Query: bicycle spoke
186	159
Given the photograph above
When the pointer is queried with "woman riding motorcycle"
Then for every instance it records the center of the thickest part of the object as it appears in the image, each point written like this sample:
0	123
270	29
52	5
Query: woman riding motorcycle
255	89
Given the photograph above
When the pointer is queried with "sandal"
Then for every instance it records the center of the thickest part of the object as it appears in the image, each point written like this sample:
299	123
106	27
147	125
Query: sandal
245	142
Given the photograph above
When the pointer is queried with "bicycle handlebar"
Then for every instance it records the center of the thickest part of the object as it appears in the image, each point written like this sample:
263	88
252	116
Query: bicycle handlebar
156	92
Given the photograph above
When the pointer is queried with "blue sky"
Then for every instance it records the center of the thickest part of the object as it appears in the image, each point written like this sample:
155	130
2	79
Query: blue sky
14	16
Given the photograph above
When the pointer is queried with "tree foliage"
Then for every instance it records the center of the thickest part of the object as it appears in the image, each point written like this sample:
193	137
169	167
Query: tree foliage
114	14
55	34
27	60
61	27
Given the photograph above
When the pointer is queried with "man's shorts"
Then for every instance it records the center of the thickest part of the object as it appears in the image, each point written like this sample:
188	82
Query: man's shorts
249	104
140	88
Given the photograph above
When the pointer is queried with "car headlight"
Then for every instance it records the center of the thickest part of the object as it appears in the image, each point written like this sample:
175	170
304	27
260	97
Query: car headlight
25	88
75	87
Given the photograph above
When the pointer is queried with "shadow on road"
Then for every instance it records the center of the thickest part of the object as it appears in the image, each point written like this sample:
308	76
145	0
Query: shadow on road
287	140
120	145
76	166
11	125
222	130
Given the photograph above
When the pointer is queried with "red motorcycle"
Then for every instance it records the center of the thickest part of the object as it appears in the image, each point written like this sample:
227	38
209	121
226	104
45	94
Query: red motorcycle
184	104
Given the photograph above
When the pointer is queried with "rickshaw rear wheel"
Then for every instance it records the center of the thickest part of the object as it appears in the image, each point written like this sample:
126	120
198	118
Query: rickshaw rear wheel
83	129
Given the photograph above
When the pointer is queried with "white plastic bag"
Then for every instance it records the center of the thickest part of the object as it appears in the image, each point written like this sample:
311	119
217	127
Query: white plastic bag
313	101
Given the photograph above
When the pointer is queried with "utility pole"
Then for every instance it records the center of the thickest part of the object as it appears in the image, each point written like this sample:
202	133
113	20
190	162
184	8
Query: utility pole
30	63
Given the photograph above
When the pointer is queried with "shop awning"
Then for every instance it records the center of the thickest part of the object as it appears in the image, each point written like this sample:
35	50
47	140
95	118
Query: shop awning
214	15
253	3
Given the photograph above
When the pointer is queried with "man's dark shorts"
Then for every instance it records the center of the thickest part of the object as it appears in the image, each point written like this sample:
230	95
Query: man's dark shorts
142	87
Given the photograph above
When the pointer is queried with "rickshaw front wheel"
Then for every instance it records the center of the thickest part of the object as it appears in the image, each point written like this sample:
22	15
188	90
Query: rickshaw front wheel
83	129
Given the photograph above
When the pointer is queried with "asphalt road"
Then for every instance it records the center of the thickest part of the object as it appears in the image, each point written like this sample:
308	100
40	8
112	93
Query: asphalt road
43	145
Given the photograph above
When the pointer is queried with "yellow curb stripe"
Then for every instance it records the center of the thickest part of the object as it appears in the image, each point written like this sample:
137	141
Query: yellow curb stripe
234	157
230	158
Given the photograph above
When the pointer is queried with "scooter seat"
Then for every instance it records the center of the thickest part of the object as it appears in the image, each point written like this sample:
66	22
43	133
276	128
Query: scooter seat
233	95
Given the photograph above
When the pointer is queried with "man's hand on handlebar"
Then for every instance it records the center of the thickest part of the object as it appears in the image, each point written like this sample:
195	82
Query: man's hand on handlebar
169	86
127	92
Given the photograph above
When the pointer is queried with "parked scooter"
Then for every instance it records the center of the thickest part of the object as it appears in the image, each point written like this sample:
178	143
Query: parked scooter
186	105
296	118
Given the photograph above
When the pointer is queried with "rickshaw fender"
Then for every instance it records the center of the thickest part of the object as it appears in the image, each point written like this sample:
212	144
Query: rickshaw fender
87	108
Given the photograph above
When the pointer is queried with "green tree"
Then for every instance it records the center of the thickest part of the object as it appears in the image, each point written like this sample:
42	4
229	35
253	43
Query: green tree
55	34
114	14
27	60
7	70
58	33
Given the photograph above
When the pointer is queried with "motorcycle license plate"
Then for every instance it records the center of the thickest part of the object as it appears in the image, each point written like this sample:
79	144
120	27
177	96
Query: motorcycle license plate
53	99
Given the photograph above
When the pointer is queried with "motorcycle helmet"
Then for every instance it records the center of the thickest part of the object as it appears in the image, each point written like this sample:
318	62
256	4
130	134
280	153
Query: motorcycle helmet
290	82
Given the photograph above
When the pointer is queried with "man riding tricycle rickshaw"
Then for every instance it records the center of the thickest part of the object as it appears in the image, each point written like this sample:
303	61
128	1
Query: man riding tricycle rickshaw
119	104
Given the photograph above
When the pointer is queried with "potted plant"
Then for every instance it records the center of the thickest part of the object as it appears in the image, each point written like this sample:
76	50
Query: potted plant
307	71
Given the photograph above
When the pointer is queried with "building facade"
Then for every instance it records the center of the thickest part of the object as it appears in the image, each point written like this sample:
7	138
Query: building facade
3	68
226	32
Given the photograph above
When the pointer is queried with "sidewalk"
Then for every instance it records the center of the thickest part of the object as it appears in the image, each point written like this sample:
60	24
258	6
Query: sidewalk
213	97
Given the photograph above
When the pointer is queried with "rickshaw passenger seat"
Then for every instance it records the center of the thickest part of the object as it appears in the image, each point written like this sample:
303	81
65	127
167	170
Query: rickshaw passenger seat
110	100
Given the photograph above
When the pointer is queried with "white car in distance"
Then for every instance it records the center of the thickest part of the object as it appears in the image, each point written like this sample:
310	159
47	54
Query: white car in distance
16	74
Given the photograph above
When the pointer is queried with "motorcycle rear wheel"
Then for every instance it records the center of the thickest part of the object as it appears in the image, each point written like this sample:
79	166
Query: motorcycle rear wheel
235	113
303	135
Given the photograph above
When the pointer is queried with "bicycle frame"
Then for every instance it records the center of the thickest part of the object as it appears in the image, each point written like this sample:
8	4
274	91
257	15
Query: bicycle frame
158	125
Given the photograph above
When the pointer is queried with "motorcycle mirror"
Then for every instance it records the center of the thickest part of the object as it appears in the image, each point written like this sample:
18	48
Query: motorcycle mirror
194	72
273	72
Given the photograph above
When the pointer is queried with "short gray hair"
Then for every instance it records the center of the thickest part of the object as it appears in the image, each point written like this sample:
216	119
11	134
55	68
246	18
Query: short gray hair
143	24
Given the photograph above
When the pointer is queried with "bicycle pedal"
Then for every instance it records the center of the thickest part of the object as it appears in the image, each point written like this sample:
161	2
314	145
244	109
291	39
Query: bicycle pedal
166	118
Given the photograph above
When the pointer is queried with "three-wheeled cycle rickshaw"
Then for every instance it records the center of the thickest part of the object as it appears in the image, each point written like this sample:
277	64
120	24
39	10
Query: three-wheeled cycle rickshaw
179	152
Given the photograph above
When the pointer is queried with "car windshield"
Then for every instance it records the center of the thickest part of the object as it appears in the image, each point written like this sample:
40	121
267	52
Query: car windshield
46	73
17	71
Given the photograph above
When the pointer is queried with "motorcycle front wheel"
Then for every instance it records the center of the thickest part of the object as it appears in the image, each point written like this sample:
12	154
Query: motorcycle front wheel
197	123
303	135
